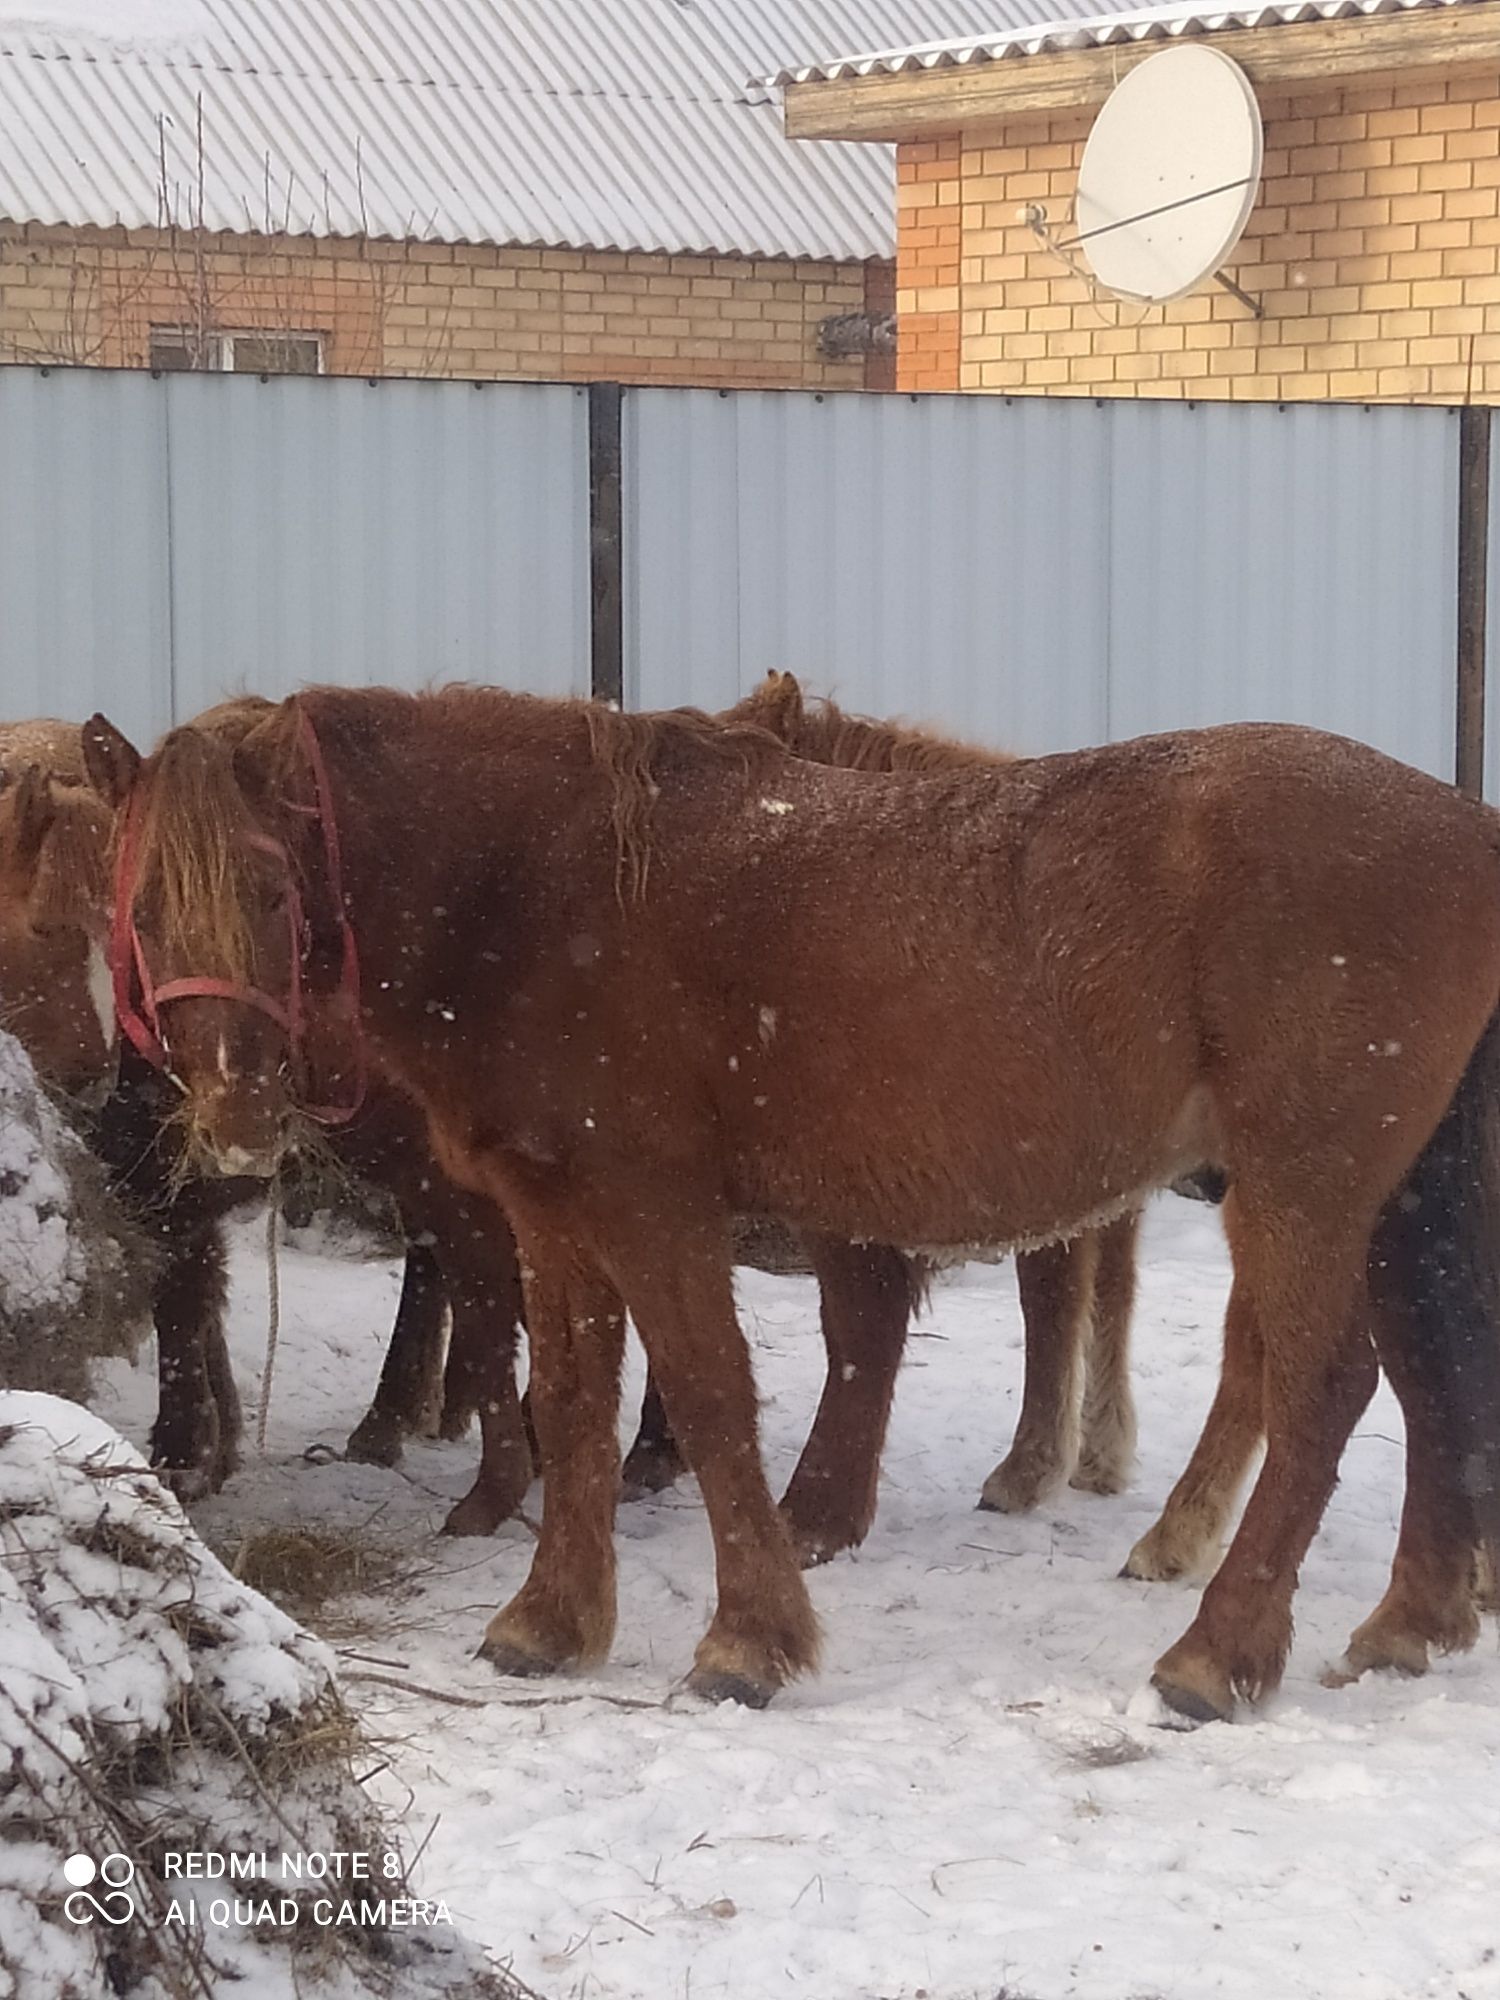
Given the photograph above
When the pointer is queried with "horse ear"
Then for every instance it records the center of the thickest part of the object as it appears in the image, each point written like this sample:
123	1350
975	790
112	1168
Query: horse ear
33	812
779	697
111	760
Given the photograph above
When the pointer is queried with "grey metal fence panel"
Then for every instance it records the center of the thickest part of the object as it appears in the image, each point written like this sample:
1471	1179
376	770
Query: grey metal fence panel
1290	565
402	532
938	557
84	605
1042	573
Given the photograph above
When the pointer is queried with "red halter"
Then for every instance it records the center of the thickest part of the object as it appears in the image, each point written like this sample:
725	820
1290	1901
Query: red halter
141	1024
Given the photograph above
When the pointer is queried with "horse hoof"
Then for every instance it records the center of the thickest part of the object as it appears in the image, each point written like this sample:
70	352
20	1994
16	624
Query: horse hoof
190	1483
812	1551
1190	1703
1012	1489
1150	1562
1102	1479
717	1685
477	1514
507	1658
374	1441
648	1472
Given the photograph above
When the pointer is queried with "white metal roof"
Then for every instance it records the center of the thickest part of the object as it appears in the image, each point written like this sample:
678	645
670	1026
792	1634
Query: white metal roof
624	124
1098	29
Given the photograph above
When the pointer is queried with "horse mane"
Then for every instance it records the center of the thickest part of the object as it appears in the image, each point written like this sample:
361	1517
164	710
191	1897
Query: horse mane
69	884
635	751
72	880
187	821
54	747
820	731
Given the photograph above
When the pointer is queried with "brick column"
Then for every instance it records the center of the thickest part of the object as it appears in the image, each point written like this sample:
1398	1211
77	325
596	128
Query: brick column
928	186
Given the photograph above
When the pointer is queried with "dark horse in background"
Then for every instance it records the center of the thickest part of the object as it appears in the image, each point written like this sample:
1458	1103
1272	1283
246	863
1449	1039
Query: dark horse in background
54	909
646	972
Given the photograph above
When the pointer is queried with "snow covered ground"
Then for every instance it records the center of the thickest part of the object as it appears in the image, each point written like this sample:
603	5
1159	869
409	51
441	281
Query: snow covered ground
962	1806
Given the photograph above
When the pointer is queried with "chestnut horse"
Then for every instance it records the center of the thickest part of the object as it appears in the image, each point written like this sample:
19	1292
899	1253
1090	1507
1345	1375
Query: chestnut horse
1077	1419
644	971
54	912
1077	1296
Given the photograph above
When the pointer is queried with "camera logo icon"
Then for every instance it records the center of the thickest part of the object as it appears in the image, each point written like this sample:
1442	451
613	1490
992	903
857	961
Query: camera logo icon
114	1904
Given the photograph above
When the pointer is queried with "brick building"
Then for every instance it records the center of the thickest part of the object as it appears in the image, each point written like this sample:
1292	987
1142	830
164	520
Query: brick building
1373	247
477	188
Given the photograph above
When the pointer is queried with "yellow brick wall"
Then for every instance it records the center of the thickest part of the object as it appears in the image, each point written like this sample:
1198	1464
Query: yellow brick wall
1374	248
428	309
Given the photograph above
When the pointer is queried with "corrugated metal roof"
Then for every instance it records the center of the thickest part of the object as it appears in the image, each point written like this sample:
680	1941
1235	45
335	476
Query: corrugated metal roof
1057	31
624	124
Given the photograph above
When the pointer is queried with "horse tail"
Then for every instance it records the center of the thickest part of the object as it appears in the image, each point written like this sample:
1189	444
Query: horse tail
1447	1272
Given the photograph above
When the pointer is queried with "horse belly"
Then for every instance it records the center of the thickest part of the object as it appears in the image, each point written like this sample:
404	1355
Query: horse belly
955	1139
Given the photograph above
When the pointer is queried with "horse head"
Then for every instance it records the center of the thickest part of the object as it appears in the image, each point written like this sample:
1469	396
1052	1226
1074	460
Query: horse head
213	945
776	705
54	990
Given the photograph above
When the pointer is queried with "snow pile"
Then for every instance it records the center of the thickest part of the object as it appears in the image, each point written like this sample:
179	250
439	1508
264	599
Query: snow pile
162	1728
124	24
74	1274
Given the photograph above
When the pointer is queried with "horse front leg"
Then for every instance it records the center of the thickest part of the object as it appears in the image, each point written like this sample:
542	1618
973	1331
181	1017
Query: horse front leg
408	1386
868	1295
197	1421
1057	1302
677	1281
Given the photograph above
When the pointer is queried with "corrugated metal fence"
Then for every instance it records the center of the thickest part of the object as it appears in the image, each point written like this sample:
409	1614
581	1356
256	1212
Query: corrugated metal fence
1031	573
1041	573
165	542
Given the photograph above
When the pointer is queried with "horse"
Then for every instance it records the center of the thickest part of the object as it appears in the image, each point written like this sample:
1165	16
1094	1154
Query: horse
54	906
54	833
1077	1296
642	972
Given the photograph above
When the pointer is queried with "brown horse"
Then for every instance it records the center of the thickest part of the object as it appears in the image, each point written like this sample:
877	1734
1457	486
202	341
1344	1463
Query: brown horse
54	909
643	971
1077	1419
54	987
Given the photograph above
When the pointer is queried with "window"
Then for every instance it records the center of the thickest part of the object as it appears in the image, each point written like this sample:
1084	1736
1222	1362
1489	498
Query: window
174	349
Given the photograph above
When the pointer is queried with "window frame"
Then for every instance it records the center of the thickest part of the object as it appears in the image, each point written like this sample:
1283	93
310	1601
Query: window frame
219	346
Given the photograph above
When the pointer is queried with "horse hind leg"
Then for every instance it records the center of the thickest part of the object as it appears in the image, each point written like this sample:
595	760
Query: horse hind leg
869	1293
1305	1290
1186	1540
654	1461
1436	1307
1057	1300
564	1613
1106	1448
484	1282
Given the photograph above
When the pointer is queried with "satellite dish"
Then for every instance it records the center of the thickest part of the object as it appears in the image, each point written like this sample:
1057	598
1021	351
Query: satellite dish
1169	175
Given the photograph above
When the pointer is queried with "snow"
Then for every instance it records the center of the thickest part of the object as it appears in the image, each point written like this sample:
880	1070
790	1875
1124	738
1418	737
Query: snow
122	23
41	1265
972	1797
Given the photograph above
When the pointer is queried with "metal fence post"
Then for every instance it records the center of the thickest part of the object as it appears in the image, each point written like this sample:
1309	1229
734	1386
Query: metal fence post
606	545
1473	591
